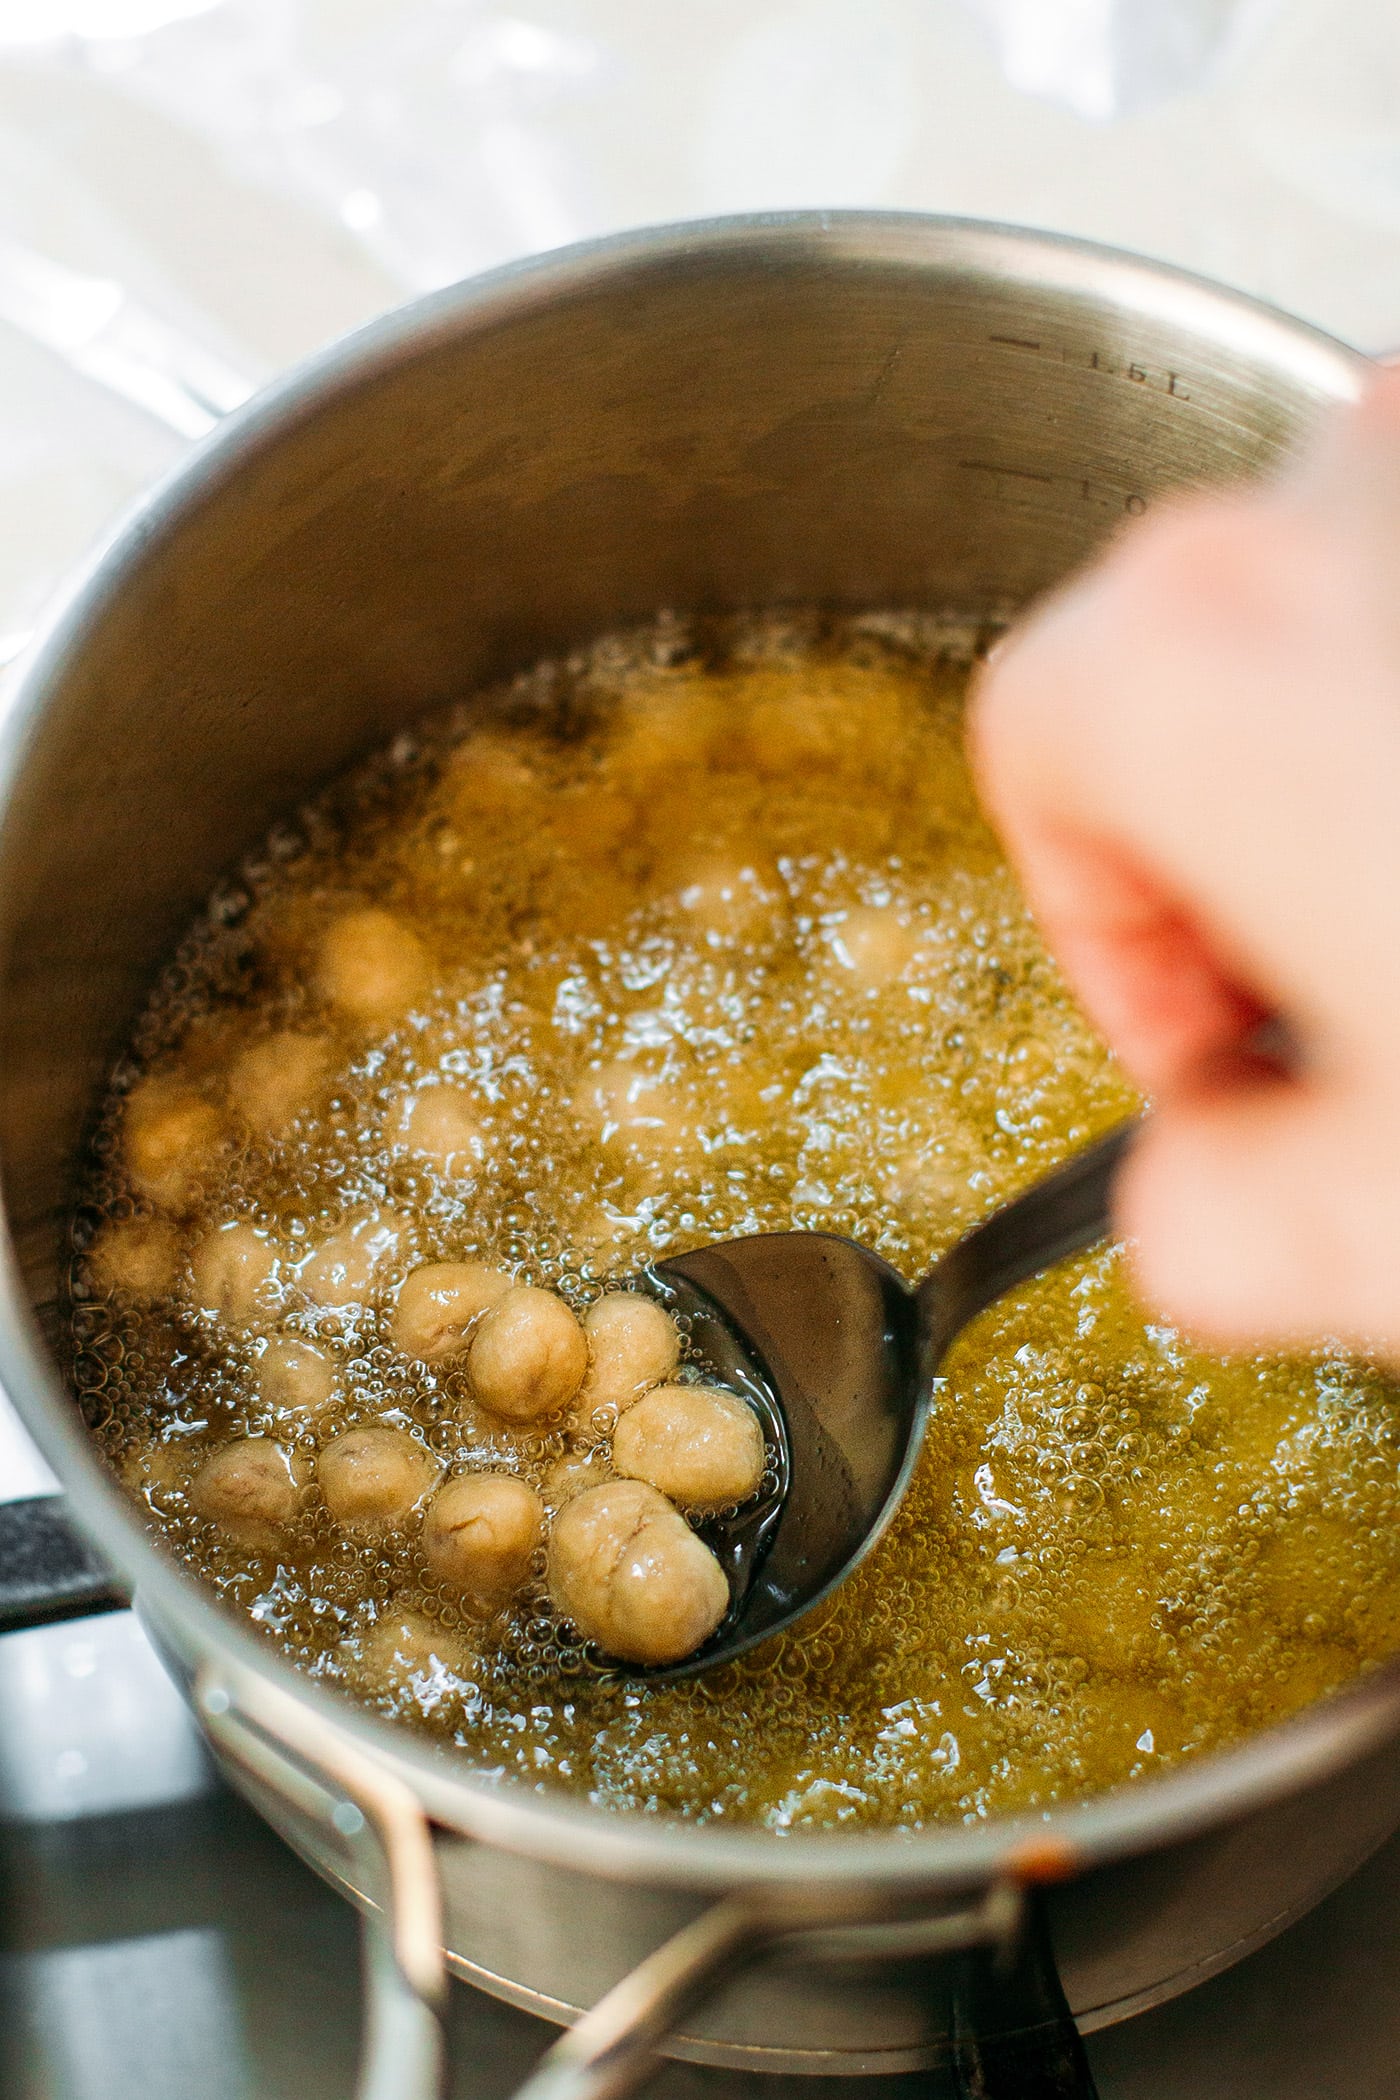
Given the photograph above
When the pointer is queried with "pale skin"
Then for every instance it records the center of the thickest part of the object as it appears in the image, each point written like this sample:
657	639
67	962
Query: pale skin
134	1257
442	1125
372	1479
1192	755
370	967
633	1343
633	1577
700	1447
249	1490
235	1277
528	1357
480	1535
345	1268
171	1138
272	1080
871	943
295	1377
440	1305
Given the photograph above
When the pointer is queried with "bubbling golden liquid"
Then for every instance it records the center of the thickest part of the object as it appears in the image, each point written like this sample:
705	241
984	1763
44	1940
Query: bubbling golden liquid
719	943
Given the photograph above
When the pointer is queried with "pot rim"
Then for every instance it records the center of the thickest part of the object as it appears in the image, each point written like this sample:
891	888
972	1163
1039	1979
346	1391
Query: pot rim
559	1830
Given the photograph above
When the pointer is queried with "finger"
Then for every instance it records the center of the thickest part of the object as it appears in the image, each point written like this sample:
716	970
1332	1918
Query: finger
1142	964
1244	1209
1215	713
1347	485
1352	469
1047	740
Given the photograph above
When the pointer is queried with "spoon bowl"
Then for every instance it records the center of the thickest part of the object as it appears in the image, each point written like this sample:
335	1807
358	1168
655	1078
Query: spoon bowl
838	1356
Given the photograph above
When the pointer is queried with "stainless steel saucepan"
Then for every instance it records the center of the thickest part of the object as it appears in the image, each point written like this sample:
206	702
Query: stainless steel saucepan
856	410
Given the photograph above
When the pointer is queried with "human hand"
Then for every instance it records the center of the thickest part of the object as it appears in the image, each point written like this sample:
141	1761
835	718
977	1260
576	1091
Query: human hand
1192	754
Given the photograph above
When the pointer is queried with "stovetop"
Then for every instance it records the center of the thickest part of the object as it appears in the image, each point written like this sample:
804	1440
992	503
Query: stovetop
168	1947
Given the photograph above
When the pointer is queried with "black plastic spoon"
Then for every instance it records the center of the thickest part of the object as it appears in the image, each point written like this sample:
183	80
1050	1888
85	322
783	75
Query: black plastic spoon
837	1354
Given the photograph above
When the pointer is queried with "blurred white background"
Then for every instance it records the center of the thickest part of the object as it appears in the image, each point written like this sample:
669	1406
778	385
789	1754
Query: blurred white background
193	193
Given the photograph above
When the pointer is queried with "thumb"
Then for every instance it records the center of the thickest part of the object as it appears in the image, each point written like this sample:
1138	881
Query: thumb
1348	484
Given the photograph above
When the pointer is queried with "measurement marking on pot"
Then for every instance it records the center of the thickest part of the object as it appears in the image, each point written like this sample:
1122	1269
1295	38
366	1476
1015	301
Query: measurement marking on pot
1131	501
1157	377
988	466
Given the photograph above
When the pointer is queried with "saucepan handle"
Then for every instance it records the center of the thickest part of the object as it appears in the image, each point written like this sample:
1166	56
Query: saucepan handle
273	1740
611	2051
47	1569
1012	2035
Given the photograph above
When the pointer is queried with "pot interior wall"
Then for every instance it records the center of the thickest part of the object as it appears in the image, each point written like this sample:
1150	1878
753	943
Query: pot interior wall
871	412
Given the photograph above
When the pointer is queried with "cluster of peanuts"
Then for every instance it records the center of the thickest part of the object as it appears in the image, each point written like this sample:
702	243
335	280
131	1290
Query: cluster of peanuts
623	1564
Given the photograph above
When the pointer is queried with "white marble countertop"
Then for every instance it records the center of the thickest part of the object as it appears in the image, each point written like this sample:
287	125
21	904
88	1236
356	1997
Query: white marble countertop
233	182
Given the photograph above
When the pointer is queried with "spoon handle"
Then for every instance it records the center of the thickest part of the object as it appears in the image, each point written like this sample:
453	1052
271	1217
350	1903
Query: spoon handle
1068	1210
